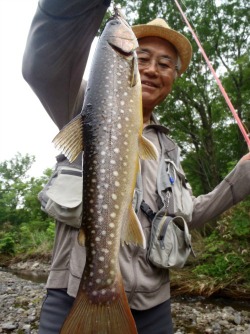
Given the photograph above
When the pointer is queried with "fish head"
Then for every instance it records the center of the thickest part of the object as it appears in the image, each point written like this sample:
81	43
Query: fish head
120	36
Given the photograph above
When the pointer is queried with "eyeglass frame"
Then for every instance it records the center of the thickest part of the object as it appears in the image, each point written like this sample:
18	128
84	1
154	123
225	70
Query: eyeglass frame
175	66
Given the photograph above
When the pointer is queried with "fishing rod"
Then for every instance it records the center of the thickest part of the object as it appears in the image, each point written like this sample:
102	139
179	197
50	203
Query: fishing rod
243	131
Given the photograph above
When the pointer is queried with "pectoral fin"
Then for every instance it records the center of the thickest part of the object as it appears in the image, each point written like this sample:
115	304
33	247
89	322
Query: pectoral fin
70	139
132	231
147	150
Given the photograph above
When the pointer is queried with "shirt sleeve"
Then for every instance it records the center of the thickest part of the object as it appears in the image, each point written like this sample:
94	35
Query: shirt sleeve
233	189
56	53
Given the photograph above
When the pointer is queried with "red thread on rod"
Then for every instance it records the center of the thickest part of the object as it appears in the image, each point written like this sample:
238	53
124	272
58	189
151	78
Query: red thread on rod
245	135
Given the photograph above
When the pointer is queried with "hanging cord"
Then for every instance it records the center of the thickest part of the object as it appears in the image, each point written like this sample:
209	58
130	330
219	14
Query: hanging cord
245	135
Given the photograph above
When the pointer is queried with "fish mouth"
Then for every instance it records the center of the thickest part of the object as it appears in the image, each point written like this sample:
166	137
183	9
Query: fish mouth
121	51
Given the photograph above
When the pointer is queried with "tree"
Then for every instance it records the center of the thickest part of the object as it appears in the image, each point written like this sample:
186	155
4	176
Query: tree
196	113
13	186
24	226
18	191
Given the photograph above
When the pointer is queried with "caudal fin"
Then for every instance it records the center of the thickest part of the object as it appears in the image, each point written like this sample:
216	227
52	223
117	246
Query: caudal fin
88	317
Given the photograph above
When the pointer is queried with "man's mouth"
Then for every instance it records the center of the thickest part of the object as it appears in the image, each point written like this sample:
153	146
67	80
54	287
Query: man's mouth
148	83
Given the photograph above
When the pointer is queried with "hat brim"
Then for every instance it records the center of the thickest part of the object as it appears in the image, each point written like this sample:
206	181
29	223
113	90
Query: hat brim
179	41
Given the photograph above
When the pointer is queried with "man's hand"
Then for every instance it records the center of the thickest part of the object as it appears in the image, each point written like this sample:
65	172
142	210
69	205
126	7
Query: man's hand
244	158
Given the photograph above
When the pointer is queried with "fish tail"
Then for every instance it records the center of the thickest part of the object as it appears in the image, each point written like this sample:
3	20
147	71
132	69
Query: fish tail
90	317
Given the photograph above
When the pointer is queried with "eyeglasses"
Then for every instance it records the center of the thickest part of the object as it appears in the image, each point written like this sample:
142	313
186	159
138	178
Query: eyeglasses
164	64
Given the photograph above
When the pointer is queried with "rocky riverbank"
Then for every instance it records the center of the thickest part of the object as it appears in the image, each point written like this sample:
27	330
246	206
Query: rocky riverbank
20	303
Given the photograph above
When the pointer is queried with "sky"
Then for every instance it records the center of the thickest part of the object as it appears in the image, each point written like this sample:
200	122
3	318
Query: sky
25	126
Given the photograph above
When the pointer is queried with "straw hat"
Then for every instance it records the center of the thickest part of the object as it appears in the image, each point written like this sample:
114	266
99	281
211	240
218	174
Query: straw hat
159	28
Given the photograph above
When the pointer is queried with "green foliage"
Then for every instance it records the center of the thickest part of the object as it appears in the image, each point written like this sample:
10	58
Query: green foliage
36	237
7	244
226	253
24	226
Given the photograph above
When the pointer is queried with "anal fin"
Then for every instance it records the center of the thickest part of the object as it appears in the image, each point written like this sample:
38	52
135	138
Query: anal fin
132	231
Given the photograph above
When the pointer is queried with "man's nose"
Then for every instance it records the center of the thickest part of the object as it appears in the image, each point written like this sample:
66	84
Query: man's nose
152	67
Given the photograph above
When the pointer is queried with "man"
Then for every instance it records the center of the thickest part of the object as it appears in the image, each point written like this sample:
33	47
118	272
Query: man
54	61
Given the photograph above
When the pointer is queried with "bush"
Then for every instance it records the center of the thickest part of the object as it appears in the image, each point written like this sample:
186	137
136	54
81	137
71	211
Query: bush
7	244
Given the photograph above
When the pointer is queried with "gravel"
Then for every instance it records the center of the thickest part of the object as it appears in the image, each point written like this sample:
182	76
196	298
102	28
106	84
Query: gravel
21	299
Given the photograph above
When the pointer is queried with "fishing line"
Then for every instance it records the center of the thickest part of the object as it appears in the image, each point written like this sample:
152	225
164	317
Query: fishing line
242	129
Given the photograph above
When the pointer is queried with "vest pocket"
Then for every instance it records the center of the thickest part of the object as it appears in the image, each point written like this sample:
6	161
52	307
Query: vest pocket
61	198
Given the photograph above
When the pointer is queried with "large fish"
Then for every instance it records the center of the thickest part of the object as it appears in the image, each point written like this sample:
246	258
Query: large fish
109	130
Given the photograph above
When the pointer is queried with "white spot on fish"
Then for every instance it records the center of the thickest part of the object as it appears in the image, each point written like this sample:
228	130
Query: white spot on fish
93	252
122	103
103	152
109	281
101	258
102	170
94	293
125	93
109	242
119	125
122	111
114	137
117	184
126	119
97	239
112	225
105	250
116	150
104	232
112	272
114	196
116	206
105	206
125	164
112	162
112	235
100	219
100	196
103	292
106	185
98	280
115	173
100	271
113	215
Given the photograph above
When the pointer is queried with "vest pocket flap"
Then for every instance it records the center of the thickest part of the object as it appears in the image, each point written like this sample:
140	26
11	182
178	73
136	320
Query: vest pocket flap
67	189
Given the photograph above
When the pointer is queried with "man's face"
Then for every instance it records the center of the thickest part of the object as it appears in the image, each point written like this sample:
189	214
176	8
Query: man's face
157	60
